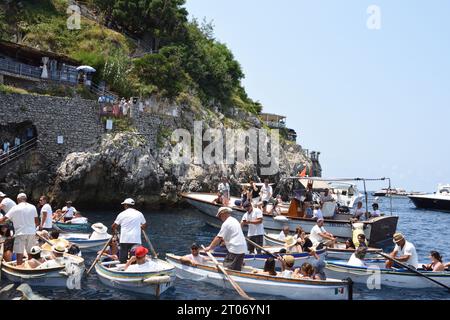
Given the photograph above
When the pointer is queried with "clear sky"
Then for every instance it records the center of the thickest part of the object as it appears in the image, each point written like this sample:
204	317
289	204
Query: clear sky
374	102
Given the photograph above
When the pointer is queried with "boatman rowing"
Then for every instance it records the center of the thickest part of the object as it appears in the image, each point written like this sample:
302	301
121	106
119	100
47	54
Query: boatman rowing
231	233
131	222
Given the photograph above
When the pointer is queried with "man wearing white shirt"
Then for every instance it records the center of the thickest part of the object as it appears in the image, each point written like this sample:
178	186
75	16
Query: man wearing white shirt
253	218
25	220
224	190
231	233
266	194
357	258
404	251
284	233
6	203
46	214
131	222
376	212
68	211
359	213
320	235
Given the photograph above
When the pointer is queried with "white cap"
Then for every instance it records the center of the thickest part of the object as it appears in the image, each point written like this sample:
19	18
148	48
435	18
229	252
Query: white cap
35	250
21	195
222	210
129	201
2	194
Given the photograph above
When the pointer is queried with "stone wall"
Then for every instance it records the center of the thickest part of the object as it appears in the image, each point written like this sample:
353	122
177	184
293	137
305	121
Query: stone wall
76	120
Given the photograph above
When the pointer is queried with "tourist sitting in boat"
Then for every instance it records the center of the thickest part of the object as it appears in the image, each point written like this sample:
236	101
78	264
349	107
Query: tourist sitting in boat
376	212
100	232
404	251
68	211
231	233
269	268
112	252
244	198
34	259
359	213
349	244
57	215
219	199
7	235
436	264
318	212
284	233
306	271
320	235
326	197
57	254
292	246
287	266
139	263
362	241
276	210
77	219
194	258
357	258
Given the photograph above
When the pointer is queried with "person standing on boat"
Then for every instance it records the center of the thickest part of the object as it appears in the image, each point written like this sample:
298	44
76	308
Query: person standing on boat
308	202
376	212
131	222
231	233
253	191
6	203
46	214
266	194
253	218
224	189
25	220
404	251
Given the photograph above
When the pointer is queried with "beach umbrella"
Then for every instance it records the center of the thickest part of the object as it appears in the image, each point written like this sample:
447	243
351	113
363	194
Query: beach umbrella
86	69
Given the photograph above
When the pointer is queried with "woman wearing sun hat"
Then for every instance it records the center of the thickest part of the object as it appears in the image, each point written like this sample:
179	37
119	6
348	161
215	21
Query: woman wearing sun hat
100	232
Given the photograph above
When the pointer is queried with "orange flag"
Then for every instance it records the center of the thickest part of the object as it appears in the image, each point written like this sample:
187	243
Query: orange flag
303	173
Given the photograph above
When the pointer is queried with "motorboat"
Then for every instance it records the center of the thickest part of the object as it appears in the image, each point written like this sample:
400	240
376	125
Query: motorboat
436	201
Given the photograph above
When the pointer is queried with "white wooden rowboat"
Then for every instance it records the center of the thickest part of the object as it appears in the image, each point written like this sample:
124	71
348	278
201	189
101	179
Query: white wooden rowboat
337	253
297	289
378	231
401	278
152	283
49	274
84	243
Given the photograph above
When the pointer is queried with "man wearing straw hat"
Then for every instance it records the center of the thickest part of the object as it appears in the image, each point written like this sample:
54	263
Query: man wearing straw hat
131	222
231	233
405	251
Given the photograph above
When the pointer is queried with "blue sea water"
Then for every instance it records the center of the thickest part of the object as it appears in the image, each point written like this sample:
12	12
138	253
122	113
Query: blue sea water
173	231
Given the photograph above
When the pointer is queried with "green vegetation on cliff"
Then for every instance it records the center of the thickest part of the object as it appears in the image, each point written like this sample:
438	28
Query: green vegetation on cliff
186	58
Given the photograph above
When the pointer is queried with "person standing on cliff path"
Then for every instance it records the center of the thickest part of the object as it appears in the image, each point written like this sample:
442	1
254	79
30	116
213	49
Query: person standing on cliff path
131	222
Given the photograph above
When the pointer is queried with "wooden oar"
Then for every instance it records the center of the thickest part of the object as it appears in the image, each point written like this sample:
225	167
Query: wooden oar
412	270
98	257
262	249
227	276
154	254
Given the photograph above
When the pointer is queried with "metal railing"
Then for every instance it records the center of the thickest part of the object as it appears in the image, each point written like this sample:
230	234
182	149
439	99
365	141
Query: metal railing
25	70
18	151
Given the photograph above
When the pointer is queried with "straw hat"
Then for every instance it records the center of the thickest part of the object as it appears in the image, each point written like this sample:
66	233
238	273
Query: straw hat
290	241
59	247
99	227
398	237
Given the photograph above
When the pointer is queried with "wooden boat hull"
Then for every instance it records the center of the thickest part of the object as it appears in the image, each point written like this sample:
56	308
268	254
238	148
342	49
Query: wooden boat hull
68	227
378	231
331	254
399	278
54	277
84	243
138	282
258	260
296	289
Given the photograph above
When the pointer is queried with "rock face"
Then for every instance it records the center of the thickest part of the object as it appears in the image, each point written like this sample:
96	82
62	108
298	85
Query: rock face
125	165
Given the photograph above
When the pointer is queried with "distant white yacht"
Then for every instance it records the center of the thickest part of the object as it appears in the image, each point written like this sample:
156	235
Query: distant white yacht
435	201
